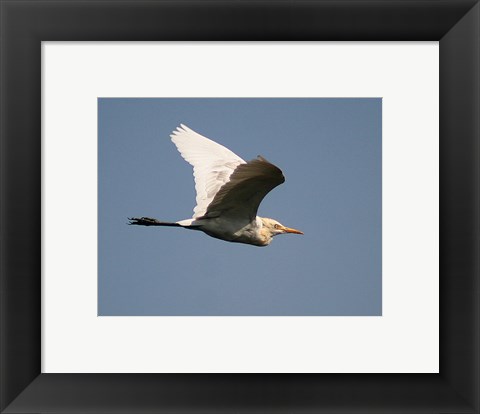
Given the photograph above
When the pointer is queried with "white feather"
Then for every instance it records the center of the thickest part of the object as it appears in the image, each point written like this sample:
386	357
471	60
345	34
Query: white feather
213	164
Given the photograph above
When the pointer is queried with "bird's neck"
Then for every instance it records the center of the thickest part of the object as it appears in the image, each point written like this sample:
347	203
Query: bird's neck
264	234
259	222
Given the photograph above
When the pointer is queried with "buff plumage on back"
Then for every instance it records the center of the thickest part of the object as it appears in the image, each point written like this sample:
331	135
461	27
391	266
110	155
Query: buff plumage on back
213	164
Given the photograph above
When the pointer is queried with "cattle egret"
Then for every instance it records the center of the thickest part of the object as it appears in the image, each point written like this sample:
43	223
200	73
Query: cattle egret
229	191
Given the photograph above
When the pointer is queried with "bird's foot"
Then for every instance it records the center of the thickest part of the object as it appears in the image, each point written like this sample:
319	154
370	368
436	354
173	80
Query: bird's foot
143	221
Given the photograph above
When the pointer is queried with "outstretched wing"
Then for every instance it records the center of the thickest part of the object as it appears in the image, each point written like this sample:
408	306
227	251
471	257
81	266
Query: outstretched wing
213	164
243	193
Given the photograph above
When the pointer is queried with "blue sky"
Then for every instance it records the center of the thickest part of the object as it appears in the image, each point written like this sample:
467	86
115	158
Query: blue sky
330	153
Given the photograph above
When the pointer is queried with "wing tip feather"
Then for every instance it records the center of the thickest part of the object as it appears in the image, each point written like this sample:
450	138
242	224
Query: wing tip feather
180	130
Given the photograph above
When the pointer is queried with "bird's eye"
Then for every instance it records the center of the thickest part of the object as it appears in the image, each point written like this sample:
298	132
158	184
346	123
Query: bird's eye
277	226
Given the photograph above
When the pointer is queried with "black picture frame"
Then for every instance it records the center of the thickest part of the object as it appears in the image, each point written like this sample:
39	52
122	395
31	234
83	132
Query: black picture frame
24	24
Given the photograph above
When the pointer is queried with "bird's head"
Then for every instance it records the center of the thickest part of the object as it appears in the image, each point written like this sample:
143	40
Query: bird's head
272	227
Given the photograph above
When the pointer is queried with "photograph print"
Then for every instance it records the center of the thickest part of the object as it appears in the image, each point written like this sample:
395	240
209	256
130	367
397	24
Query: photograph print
239	206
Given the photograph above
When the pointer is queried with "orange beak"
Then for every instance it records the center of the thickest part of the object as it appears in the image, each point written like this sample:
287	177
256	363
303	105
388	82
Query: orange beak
289	230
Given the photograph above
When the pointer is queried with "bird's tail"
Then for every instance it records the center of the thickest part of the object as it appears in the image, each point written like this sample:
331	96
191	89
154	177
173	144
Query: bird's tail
147	221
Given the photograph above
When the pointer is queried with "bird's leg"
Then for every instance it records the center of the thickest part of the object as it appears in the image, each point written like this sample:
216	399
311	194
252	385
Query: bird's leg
147	221
144	221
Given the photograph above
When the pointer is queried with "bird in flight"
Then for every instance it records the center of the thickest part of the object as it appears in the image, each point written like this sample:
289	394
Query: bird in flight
229	191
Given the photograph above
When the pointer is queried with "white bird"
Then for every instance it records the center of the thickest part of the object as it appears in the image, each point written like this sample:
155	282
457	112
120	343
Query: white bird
229	191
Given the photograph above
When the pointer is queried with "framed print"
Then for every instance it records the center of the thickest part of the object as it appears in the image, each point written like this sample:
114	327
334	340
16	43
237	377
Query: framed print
34	32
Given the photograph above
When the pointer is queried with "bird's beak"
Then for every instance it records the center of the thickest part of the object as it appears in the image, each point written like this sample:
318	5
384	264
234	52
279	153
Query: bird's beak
289	230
